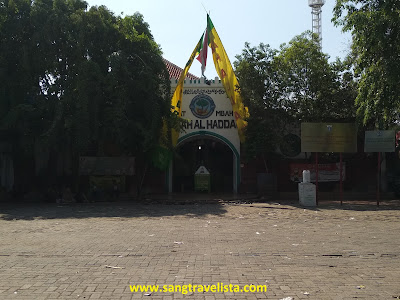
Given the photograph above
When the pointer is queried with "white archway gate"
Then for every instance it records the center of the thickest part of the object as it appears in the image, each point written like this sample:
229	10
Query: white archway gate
208	114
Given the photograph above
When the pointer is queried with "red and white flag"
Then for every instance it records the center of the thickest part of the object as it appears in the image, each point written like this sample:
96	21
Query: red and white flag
202	58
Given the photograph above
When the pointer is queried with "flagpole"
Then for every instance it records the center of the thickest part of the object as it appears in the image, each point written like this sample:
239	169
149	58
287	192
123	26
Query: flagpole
205	8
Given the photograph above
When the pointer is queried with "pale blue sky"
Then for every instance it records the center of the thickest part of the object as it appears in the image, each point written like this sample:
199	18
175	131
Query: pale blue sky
177	25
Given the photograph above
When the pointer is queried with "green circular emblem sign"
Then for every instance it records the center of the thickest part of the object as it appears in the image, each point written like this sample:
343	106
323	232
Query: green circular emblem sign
202	106
291	145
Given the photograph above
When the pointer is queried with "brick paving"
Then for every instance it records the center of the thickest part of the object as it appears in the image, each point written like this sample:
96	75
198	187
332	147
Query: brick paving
96	250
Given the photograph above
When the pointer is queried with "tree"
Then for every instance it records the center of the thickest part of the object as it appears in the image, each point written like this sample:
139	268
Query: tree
78	79
291	85
375	29
307	84
255	71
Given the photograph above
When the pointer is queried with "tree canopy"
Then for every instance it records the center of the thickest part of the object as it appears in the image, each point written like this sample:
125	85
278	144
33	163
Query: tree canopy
287	86
74	79
375	29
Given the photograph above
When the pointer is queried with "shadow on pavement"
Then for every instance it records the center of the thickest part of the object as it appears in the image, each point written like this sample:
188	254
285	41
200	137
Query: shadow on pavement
175	206
32	211
354	205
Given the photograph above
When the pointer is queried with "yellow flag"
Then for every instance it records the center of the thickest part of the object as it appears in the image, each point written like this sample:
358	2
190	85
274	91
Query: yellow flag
176	102
228	78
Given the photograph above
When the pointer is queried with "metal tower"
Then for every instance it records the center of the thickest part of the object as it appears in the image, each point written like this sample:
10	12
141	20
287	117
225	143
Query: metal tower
316	13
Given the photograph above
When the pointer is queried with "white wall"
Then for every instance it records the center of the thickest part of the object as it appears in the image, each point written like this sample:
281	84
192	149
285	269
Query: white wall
220	122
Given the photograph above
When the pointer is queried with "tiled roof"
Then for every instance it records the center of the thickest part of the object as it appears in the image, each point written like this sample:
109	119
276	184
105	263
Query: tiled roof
175	71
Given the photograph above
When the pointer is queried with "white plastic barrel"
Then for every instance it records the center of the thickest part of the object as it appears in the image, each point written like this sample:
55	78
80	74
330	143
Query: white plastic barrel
306	176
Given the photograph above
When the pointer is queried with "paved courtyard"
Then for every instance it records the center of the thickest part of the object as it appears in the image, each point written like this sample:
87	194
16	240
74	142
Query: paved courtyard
96	250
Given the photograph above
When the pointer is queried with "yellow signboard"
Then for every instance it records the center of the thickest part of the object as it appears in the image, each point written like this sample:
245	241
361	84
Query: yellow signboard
328	137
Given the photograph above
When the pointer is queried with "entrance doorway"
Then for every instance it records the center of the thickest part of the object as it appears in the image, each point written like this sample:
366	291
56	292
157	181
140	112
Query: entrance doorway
216	156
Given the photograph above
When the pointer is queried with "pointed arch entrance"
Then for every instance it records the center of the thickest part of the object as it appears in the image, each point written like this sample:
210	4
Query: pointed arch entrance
212	150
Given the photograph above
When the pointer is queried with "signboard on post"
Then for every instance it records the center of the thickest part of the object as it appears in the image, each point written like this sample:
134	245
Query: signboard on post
379	141
328	137
115	166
